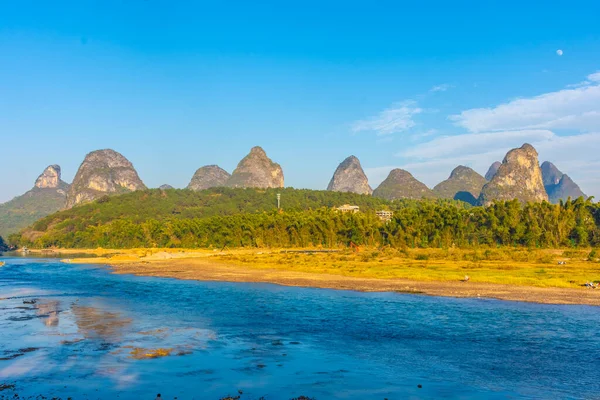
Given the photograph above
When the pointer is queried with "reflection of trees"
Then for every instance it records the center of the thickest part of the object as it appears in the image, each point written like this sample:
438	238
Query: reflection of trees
48	312
93	323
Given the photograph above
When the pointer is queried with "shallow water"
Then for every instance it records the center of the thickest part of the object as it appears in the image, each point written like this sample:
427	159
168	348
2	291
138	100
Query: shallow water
88	328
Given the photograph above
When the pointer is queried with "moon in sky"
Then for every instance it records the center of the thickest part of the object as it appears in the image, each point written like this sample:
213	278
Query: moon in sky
559	52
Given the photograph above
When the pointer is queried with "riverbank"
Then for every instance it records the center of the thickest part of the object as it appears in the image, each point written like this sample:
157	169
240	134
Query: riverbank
540	276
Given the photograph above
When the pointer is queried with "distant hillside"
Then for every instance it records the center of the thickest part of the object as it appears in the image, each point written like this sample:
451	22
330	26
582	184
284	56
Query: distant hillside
24	210
400	184
415	223
559	186
47	196
463	184
173	205
180	204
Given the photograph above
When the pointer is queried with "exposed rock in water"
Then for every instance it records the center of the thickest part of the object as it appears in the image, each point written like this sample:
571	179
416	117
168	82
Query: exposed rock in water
209	176
103	172
350	177
165	187
492	171
47	196
559	186
519	177
463	184
256	170
400	184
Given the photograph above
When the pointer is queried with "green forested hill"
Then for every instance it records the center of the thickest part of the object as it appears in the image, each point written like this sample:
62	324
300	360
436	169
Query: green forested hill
24	210
248	217
184	204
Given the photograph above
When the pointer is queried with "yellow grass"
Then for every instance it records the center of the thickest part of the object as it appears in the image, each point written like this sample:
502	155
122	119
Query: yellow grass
513	267
522	267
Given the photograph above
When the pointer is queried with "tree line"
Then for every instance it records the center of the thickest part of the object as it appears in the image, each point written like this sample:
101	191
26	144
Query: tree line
3	245
574	223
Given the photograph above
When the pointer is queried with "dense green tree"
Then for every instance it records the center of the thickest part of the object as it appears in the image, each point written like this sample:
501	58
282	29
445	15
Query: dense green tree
3	245
248	218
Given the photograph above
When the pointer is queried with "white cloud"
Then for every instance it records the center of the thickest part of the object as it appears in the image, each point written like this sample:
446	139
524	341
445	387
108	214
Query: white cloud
564	127
575	155
473	143
397	118
441	88
576	109
595	77
559	52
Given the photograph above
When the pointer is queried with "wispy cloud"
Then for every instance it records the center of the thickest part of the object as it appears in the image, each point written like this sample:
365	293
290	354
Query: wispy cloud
395	119
424	134
563	125
595	77
441	88
576	155
473	143
576	109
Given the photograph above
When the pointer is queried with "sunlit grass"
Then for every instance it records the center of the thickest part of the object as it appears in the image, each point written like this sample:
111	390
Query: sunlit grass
511	266
507	266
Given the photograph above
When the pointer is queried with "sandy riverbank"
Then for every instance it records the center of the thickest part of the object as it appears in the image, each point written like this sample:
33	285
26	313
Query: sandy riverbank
292	269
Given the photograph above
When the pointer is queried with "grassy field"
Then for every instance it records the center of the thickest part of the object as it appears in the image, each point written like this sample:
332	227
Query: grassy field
509	266
524	267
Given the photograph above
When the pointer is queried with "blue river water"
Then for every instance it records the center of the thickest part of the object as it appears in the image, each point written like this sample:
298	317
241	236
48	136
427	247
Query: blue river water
88	332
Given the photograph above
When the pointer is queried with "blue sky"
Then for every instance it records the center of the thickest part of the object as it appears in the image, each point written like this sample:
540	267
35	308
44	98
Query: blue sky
177	85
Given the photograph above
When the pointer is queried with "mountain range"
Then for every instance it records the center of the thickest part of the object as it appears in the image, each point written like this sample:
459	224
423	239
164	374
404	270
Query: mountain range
107	172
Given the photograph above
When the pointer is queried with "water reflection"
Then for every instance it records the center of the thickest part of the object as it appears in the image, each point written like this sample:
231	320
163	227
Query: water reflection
115	336
94	323
48	311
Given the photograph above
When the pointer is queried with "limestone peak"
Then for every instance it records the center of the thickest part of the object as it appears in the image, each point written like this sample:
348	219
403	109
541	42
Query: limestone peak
103	172
401	184
50	178
209	176
256	170
350	177
519	177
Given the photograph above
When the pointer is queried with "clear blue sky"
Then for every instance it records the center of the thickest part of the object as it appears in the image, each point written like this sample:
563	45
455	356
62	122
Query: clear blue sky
174	85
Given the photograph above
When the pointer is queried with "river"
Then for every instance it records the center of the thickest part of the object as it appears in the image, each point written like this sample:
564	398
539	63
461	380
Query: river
78	331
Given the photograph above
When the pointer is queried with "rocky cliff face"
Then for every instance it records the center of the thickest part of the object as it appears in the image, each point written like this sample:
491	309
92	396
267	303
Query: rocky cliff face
256	170
103	172
51	179
400	184
350	177
492	170
209	176
463	184
47	196
519	177
559	186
